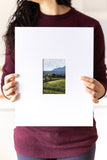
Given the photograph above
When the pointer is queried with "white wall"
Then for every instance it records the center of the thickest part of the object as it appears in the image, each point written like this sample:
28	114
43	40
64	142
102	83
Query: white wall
7	7
96	9
7	116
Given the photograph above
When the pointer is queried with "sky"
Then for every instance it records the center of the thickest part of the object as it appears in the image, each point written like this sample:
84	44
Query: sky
50	64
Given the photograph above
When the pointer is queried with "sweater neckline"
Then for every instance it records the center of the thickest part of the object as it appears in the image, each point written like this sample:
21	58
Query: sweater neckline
59	16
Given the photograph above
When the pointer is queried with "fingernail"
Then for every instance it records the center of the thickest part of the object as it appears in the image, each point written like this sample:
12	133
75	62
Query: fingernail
17	94
12	99
17	74
82	77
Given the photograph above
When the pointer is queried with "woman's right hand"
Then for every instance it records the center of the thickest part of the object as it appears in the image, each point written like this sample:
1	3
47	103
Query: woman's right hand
10	88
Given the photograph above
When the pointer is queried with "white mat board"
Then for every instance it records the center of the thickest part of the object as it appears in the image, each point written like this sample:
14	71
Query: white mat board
32	46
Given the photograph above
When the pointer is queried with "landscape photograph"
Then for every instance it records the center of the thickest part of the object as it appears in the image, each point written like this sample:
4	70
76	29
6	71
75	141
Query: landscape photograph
54	76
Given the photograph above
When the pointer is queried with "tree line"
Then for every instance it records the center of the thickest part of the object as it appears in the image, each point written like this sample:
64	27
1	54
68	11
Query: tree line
52	77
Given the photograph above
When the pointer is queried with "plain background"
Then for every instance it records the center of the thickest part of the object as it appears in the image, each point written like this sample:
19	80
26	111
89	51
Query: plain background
96	9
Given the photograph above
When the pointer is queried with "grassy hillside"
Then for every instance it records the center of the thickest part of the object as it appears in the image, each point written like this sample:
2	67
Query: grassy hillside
54	87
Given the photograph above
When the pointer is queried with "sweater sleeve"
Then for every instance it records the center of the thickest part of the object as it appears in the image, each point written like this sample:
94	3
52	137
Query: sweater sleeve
8	68
99	56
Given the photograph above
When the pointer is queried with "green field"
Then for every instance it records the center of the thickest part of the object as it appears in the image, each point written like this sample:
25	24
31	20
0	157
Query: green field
56	86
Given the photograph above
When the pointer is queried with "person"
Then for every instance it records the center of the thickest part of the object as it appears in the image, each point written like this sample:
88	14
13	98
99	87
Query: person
61	143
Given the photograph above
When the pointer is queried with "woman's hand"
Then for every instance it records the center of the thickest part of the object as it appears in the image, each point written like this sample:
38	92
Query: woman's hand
9	88
93	87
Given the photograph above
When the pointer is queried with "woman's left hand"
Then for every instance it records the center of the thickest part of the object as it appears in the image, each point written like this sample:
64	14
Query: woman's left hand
93	87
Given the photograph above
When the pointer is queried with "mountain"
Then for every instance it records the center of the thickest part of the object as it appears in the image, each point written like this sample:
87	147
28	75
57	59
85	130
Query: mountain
60	70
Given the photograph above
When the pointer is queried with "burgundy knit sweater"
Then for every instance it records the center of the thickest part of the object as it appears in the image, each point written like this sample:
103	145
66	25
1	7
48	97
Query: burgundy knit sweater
61	142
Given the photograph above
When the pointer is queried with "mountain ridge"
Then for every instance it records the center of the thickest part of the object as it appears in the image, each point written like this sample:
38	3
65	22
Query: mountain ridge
59	70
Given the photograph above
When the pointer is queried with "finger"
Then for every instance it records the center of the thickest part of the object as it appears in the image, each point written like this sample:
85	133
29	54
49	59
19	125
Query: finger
93	93
9	97
95	100
9	85
10	91
10	77
88	79
91	85
14	97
